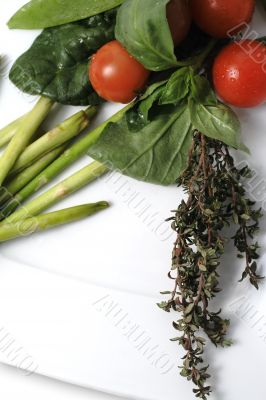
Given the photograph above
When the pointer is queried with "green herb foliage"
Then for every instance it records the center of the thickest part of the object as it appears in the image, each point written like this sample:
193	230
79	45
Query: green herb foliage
47	13
153	152
143	30
56	65
216	199
157	132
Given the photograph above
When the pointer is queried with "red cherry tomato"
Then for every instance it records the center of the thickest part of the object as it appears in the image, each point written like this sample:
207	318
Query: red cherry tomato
239	73
222	18
115	74
179	19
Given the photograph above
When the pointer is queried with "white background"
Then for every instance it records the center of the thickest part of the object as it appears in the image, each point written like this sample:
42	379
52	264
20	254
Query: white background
14	385
32	300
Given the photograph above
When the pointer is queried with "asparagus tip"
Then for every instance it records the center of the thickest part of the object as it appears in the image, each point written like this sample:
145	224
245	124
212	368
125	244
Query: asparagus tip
103	204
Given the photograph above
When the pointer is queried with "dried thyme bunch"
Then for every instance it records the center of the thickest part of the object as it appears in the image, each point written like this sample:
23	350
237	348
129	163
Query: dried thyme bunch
216	198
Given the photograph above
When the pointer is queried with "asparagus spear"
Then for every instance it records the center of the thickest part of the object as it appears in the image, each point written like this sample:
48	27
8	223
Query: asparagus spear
27	128
65	131
76	151
67	158
18	182
9	131
58	192
48	221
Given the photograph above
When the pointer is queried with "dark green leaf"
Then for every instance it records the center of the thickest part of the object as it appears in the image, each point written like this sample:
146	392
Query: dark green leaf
177	88
201	91
143	30
56	65
151	96
218	122
47	13
158	152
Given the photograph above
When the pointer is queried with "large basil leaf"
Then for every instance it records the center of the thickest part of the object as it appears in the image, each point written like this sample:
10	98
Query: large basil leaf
143	30
218	122
47	13
151	141
56	65
157	152
211	117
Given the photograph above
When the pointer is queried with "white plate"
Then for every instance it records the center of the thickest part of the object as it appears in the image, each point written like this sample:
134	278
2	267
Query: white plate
79	301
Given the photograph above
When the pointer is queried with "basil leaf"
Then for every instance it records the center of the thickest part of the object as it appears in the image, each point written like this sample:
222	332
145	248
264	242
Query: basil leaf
151	142
56	65
212	118
177	88
47	13
201	90
143	30
171	92
157	152
217	122
152	95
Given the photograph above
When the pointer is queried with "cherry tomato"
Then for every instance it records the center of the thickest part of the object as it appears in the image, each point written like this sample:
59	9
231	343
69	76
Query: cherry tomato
115	74
179	19
239	73
221	18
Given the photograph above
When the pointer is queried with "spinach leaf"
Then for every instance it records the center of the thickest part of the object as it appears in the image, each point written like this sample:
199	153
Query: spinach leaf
56	65
143	30
47	13
157	152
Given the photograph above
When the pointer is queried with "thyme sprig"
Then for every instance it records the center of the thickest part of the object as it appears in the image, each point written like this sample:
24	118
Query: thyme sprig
247	217
216	198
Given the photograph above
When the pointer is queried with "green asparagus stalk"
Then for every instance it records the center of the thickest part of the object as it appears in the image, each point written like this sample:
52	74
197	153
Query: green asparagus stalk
64	132
9	131
75	152
58	192
48	221
18	182
27	128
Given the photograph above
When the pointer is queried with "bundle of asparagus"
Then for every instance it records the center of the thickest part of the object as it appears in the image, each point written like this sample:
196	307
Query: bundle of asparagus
26	167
